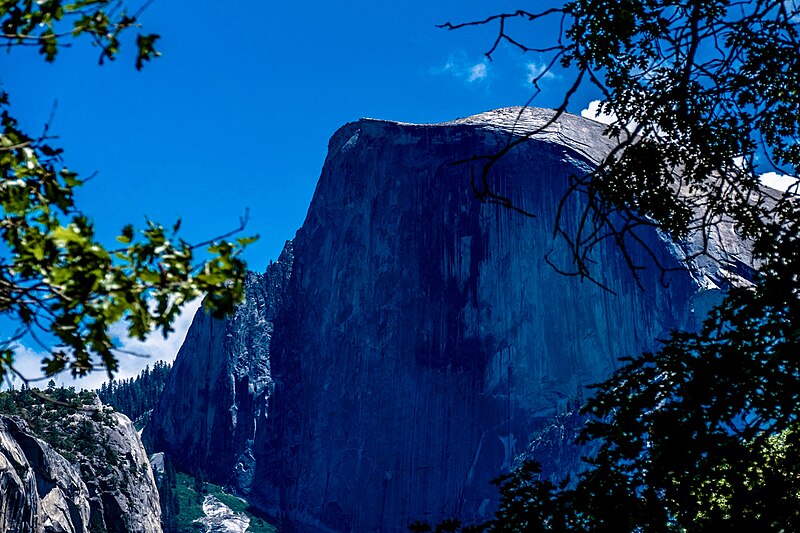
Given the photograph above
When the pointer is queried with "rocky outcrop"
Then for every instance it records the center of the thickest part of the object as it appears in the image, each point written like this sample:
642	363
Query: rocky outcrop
125	491
426	338
422	338
42	491
218	390
219	518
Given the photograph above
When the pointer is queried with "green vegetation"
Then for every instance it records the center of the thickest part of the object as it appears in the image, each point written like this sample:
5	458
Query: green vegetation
181	504
72	423
257	523
702	434
182	498
55	276
136	397
61	417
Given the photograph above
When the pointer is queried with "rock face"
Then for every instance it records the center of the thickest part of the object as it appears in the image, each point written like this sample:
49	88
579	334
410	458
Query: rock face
220	382
128	491
219	518
421	339
42	492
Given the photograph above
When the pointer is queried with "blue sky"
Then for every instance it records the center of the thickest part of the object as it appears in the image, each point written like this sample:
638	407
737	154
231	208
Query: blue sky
238	111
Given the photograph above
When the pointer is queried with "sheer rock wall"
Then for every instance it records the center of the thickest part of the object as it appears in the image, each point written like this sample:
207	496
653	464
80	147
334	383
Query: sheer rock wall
421	339
218	389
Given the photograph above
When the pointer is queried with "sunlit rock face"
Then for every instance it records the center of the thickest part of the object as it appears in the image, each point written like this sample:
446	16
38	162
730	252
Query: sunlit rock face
42	492
219	518
38	487
417	339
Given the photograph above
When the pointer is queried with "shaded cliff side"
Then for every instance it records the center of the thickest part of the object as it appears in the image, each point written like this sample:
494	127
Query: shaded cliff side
421	339
220	383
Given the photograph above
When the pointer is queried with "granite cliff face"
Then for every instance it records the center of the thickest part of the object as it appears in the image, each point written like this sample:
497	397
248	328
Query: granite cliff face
219	387
421	339
43	492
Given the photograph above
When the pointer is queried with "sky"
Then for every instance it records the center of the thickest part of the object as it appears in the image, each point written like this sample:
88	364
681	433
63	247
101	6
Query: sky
236	115
238	111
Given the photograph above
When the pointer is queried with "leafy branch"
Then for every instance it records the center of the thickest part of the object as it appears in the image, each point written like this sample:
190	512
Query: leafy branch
701	94
46	24
55	276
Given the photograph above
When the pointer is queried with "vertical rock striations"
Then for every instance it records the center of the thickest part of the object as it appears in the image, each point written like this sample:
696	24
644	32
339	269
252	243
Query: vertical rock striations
125	491
426	337
218	389
421	339
40	490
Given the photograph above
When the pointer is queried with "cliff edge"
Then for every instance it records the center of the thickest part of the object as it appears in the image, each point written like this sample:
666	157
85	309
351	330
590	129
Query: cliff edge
419	339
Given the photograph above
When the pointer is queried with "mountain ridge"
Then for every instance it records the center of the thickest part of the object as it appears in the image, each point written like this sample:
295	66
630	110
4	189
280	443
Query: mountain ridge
419	339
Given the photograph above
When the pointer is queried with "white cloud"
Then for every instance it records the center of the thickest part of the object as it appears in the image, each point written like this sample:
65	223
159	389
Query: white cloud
537	71
593	112
477	72
154	348
27	361
780	182
459	66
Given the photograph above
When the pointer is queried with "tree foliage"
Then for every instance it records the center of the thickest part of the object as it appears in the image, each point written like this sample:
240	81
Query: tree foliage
703	94
136	397
87	435
55	276
182	497
65	419
46	24
702	434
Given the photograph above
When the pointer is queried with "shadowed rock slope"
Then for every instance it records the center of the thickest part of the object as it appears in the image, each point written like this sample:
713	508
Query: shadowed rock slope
220	384
419	339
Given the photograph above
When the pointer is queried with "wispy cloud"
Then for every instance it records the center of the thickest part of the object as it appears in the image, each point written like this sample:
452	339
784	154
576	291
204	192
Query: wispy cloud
461	67
154	348
477	72
537	72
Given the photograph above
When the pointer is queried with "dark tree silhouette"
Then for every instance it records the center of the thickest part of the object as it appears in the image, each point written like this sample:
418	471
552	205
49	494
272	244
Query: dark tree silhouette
136	397
704	94
702	434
